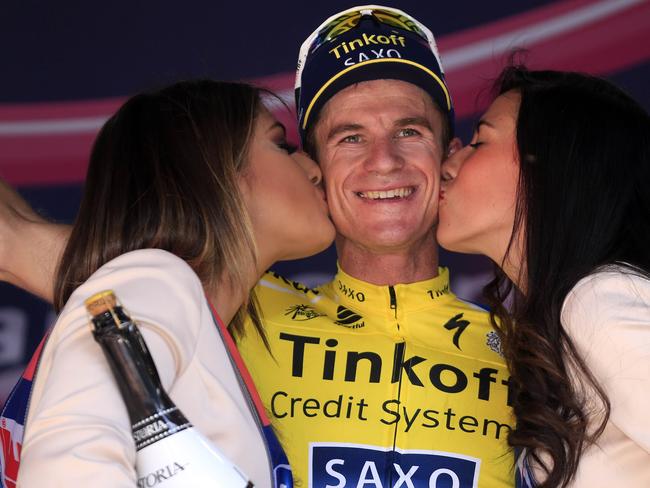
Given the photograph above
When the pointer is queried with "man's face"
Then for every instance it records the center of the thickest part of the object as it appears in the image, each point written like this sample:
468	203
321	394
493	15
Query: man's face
379	145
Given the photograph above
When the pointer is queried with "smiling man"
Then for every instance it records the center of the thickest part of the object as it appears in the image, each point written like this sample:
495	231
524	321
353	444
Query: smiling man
381	377
379	144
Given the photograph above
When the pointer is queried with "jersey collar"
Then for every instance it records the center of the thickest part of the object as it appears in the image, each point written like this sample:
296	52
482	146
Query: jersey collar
357	294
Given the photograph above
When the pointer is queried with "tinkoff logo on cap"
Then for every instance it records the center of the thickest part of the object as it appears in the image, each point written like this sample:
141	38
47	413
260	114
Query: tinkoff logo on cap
362	44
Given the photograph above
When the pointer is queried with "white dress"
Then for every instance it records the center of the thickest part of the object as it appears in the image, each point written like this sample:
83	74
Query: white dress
78	431
607	316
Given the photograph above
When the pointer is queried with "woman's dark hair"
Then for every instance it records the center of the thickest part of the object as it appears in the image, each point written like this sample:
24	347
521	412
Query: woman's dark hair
583	203
163	174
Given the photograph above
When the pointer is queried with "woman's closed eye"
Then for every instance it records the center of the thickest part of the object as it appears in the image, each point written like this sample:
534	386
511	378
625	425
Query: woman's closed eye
289	148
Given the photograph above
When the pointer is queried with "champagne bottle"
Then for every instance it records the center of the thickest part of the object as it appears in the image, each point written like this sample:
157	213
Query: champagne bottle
171	453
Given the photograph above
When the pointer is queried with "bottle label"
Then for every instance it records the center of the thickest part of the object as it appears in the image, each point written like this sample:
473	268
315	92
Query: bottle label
158	426
184	460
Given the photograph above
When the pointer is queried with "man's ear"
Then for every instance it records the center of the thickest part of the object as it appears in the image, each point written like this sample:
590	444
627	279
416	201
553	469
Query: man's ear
454	145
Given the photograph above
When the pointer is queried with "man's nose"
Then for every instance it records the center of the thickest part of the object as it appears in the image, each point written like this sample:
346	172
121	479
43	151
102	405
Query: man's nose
383	157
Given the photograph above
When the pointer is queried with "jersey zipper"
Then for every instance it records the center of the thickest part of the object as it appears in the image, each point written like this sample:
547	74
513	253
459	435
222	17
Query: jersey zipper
393	306
393	300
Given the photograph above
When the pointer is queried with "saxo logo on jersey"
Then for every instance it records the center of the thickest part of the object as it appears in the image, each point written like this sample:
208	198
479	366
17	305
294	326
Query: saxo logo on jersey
339	465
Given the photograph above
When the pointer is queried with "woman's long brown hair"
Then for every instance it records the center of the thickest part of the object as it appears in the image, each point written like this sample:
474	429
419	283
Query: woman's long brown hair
583	204
163	174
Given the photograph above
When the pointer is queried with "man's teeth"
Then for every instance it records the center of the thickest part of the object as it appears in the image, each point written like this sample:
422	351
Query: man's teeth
382	195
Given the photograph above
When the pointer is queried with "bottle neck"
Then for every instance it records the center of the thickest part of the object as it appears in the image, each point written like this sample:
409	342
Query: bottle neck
133	368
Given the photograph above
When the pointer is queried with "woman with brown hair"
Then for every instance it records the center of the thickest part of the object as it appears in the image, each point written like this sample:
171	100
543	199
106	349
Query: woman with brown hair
191	194
554	188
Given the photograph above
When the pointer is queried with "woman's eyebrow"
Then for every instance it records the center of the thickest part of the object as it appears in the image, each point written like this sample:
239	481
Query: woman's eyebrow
481	123
277	125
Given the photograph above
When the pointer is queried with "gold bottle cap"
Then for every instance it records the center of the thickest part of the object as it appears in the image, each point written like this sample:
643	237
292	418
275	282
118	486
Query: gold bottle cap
101	302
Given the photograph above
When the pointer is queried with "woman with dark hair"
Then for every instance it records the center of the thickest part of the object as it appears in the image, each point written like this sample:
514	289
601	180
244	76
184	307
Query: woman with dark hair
555	189
185	205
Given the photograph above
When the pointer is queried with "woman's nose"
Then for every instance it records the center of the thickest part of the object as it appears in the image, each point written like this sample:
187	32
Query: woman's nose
453	161
309	165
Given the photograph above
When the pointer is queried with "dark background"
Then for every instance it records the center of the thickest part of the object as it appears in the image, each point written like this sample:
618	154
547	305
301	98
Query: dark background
78	49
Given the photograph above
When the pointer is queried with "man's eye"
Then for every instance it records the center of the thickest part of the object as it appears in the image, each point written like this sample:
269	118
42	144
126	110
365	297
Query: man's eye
407	132
352	138
475	145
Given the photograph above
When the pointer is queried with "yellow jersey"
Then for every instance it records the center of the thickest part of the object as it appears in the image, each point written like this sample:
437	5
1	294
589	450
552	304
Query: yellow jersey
386	386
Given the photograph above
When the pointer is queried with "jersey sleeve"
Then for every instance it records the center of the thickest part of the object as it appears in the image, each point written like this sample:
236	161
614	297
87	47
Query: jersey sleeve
607	315
78	429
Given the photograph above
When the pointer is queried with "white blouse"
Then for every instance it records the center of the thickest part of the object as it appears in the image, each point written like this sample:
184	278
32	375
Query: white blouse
78	431
607	316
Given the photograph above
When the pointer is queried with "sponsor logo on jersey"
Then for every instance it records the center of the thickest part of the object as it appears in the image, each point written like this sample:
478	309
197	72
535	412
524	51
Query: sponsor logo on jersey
302	312
441	292
399	366
459	324
493	341
295	285
339	465
349	292
348	318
